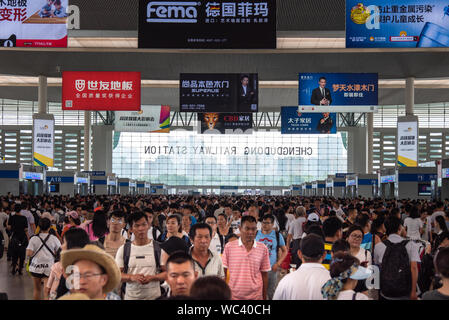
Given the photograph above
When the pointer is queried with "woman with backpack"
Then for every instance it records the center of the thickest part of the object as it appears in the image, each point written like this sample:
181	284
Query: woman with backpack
18	226
174	229
42	251
97	229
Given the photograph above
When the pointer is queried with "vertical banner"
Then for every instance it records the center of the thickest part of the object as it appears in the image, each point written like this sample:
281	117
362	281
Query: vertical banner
407	141
43	140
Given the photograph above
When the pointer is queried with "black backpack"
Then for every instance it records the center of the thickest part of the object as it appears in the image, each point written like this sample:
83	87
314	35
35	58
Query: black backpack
395	273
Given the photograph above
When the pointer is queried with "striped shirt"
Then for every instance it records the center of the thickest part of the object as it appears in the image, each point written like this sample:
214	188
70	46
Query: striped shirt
245	277
328	248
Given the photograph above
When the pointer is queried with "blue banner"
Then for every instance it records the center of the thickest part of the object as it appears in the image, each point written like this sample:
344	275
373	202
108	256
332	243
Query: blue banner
293	122
338	89
397	23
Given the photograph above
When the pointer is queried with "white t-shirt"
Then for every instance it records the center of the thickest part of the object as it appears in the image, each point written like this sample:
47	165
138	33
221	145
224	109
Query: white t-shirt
215	244
303	284
3	217
349	294
235	225
364	255
296	228
141	261
43	259
290	219
413	226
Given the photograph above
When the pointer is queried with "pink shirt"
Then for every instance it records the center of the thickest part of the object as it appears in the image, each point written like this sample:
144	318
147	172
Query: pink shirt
245	278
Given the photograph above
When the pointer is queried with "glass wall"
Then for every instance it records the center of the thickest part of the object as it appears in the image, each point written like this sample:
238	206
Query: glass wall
265	158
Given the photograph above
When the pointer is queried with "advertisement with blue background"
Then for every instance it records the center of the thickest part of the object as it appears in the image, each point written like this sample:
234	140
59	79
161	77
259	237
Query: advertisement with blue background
342	89
397	23
307	123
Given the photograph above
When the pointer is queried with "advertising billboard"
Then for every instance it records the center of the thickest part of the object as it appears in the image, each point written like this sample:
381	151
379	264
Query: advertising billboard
148	119
225	123
36	23
396	24
338	91
407	144
219	24
294	122
43	142
101	91
218	92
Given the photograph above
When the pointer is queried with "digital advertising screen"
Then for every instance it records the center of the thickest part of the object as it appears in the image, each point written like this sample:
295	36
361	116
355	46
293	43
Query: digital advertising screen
225	123
397	24
228	93
219	24
338	89
33	23
294	122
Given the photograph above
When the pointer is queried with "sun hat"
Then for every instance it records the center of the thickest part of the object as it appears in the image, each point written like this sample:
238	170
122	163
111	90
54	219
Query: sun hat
74	296
99	256
362	273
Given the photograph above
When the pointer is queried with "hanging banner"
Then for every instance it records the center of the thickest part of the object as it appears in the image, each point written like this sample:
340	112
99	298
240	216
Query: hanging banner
43	142
217	92
33	23
219	24
407	143
397	23
225	123
148	119
293	122
101	91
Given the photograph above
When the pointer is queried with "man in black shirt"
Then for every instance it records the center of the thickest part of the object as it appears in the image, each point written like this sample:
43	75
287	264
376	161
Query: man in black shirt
18	225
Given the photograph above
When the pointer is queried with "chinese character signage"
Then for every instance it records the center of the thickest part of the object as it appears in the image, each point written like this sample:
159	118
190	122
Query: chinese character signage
101	91
397	23
219	24
407	144
33	23
43	142
219	92
307	123
149	119
338	89
225	123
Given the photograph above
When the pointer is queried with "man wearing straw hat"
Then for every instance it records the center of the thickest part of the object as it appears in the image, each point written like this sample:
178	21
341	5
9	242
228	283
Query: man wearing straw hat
92	271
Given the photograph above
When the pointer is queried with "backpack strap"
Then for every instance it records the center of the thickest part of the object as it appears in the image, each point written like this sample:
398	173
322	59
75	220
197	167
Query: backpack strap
278	243
43	245
126	255
157	255
221	242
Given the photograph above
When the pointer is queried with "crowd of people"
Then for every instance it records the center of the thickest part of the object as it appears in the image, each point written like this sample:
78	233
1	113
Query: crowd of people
227	247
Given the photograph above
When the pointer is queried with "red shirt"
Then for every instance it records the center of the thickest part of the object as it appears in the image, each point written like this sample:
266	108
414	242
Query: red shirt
245	278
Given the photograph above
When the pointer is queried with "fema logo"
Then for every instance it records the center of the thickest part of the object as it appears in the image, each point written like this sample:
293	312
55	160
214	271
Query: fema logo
172	12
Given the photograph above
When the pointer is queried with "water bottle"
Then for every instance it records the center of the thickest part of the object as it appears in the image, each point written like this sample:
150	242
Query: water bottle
433	35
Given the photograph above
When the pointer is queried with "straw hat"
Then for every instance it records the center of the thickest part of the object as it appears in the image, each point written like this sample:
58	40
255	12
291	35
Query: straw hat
74	296
99	256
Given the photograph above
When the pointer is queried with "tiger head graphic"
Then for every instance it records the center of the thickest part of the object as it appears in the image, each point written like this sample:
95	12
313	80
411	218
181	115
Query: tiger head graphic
211	120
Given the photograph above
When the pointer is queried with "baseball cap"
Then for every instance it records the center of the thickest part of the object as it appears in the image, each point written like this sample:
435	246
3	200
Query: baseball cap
312	246
362	273
313	217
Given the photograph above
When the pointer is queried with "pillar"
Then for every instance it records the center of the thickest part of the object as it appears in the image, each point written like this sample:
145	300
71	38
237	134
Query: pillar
370	133
86	140
357	150
409	96
42	94
102	148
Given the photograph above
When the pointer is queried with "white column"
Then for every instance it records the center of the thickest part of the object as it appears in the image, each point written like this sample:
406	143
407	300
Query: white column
409	96
42	94
370	133
86	140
